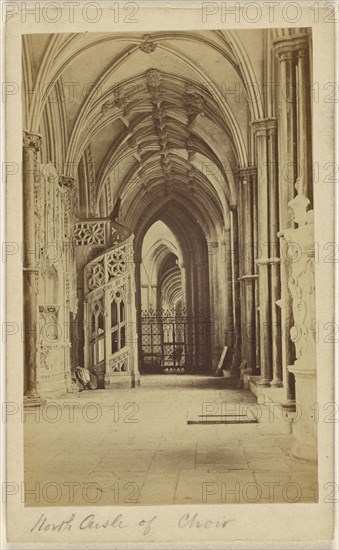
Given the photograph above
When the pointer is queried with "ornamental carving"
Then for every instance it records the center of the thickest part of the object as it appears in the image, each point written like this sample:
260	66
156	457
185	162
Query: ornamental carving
50	357
50	175
89	233
55	286
91	178
119	294
95	275
32	141
301	282
116	262
194	102
153	77
96	306
66	181
109	195
68	184
95	297
119	363
147	46
109	266
160	120
49	309
119	100
109	283
50	330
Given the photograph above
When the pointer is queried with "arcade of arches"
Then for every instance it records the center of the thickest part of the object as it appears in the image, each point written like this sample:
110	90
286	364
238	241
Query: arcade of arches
160	197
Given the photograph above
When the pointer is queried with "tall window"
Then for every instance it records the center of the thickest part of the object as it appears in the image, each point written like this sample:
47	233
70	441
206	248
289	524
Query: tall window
97	335
118	323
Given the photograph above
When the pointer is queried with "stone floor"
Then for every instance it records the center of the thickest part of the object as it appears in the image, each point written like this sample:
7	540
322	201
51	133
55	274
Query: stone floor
134	446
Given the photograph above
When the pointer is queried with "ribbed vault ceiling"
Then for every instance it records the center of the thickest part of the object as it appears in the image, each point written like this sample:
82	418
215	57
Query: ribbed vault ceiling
163	115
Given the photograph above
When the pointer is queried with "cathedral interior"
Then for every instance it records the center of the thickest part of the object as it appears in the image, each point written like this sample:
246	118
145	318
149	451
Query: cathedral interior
168	200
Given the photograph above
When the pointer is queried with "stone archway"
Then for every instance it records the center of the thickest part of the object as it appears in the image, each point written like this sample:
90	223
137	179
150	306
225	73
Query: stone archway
195	312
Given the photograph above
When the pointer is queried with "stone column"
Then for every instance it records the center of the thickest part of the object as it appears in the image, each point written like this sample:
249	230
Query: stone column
107	329
218	303
261	137
246	177
31	147
295	147
256	272
204	350
304	115
236	360
287	128
230	330
273	251
241	269
292	161
70	300
183	284
133	316
137	275
83	330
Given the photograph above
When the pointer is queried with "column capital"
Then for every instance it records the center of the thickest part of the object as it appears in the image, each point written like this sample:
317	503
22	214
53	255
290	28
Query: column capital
263	125
233	208
247	173
288	48
66	181
32	140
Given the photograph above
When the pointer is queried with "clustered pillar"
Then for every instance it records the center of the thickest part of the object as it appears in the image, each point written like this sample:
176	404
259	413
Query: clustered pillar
268	260
236	360
248	276
295	160
230	328
31	148
282	153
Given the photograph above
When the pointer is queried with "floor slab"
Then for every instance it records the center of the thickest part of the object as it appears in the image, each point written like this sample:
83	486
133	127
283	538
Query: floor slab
131	447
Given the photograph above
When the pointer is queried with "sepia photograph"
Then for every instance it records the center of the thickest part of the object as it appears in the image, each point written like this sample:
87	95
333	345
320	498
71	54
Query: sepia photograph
169	202
170	317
